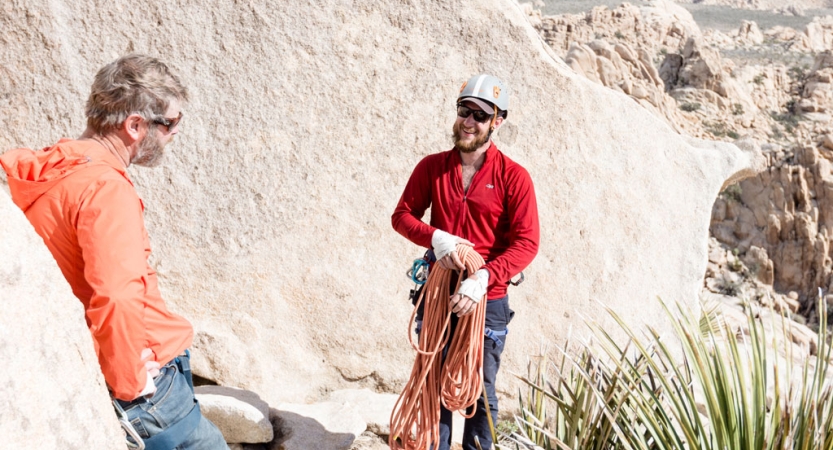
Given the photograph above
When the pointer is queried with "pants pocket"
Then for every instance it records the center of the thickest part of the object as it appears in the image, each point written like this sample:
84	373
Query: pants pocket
171	402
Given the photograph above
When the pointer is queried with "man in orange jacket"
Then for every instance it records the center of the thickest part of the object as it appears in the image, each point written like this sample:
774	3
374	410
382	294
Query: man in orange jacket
80	199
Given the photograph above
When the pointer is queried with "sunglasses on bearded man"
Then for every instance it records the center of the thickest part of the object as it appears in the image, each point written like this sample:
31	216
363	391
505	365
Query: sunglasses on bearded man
480	116
169	124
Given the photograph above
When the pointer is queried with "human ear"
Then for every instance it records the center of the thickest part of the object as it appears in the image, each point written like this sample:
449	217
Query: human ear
498	122
132	127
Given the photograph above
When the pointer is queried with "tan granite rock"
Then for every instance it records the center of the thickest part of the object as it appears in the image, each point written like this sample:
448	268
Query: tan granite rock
270	217
52	393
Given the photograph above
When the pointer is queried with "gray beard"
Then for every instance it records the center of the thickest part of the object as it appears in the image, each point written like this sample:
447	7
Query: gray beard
150	151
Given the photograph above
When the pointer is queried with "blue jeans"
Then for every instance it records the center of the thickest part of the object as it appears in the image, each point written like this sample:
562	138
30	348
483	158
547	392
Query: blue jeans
498	316
171	402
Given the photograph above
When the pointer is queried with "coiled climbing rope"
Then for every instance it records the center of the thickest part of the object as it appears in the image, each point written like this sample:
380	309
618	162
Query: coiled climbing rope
457	383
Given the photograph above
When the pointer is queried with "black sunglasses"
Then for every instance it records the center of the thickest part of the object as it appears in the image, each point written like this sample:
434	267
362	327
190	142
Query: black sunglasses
479	116
169	124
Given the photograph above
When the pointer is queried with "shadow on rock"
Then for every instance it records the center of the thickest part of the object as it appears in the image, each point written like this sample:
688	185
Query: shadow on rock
296	432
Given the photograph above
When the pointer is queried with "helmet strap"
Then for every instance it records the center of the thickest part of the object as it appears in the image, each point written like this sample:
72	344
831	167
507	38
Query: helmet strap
492	124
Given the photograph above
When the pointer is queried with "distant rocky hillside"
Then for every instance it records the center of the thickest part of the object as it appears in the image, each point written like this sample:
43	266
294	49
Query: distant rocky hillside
786	6
773	93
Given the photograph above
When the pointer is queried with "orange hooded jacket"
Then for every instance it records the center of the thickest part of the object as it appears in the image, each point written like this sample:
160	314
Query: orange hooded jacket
82	202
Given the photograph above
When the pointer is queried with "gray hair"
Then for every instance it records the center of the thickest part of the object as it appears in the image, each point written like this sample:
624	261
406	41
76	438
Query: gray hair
132	84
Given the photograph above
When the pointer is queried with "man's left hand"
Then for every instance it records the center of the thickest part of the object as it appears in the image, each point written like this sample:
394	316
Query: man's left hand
462	305
150	365
472	290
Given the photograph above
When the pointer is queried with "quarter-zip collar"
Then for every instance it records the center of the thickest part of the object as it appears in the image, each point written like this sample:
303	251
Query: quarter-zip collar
488	157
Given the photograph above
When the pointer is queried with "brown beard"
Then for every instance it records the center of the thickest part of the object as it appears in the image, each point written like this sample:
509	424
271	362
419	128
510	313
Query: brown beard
472	146
150	150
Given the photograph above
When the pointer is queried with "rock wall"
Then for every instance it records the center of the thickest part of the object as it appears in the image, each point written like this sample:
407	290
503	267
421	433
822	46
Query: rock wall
780	222
621	48
270	218
52	394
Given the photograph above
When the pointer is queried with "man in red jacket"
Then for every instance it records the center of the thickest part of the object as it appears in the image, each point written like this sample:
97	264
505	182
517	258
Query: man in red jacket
478	197
81	201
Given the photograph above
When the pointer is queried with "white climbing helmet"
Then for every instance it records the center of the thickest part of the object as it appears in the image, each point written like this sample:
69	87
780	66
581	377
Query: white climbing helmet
485	88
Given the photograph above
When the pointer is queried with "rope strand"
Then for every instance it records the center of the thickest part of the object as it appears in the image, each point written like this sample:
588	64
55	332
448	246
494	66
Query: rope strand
415	420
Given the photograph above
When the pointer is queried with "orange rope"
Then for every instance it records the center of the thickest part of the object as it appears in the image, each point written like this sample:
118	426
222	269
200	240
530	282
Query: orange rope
415	420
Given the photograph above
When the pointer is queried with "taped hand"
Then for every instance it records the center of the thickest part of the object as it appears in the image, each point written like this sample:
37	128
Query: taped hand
472	290
445	249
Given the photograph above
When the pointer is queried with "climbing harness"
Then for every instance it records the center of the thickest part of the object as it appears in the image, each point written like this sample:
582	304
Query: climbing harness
137	441
495	335
521	279
454	383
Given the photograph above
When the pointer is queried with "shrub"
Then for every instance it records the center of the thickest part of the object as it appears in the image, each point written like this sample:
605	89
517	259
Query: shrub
719	129
789	120
732	192
726	391
798	72
690	107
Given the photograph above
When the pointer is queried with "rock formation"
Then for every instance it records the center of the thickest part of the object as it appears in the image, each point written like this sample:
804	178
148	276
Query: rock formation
270	218
791	7
781	221
52	393
655	25
774	226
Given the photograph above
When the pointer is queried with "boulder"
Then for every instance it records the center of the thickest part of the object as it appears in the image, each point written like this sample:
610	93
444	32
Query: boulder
240	415
370	441
375	408
703	68
330	425
819	34
270	217
52	393
749	33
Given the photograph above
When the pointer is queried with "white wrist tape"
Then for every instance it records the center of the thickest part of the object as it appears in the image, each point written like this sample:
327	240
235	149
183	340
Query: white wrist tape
475	288
443	243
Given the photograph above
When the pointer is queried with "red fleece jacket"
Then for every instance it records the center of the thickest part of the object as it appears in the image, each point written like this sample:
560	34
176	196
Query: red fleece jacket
498	213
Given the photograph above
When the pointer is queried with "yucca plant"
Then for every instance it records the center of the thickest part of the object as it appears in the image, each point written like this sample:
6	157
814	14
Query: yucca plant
727	390
585	396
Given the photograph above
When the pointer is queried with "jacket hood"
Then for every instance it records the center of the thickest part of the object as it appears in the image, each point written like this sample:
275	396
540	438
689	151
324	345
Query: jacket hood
33	173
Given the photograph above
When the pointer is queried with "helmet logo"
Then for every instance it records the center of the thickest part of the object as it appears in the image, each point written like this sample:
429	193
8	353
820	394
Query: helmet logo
463	86
496	91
